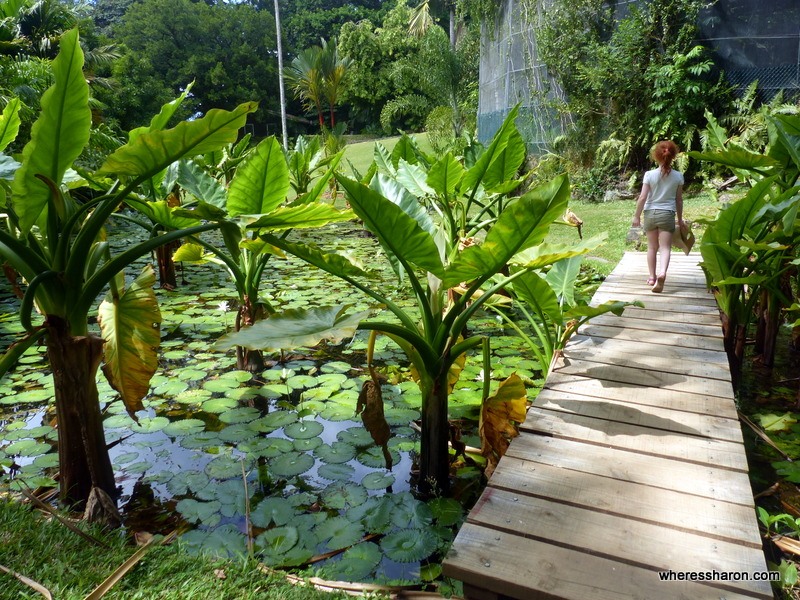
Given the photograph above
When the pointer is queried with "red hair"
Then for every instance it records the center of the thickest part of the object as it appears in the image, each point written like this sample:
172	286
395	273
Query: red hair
664	152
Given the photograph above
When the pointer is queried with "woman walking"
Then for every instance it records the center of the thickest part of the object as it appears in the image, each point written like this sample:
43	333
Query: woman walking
661	200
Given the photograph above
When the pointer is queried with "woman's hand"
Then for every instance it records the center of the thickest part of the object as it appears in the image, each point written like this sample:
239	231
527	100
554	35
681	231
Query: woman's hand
637	222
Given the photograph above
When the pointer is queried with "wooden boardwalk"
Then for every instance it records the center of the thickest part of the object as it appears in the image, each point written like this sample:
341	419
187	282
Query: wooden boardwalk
630	462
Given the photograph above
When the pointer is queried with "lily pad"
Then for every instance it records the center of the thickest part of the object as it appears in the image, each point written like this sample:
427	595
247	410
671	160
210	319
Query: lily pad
373	457
192	396
225	541
243	414
184	427
446	511
202	439
377	480
356	564
238	433
339	532
291	464
336	472
409	545
46	461
303	430
27	448
218	405
307	445
220	385
344	495
375	513
276	447
336	367
225	467
278	511
356	436
206	513
183	481
117	421
410	512
275	543
275	420
191	374
337	452
150	425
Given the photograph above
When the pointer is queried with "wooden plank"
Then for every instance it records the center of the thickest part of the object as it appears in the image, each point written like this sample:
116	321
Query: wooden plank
643	335
618	463
643	440
528	569
662	321
712	518
648	379
696	295
662	301
585	343
622	540
653	417
681	401
668	359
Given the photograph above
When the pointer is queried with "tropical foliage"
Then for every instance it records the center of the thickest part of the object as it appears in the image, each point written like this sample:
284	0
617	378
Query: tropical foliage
58	247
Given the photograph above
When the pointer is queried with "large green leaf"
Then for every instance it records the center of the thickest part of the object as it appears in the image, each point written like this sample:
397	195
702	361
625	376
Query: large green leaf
546	253
303	216
130	327
737	157
413	178
503	168
295	328
521	225
399	234
58	135
788	129
200	184
392	190
562	279
160	121
261	183
534	289
9	123
476	174
445	175
334	264
156	150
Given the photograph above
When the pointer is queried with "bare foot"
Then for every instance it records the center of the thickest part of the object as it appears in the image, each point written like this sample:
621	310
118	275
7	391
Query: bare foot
659	284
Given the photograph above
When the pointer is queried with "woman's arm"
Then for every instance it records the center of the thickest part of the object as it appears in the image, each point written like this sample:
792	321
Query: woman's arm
637	217
679	204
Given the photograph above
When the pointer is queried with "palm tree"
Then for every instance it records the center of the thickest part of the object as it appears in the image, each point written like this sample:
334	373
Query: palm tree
316	77
422	20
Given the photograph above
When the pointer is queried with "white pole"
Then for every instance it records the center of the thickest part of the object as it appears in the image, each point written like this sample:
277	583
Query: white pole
280	76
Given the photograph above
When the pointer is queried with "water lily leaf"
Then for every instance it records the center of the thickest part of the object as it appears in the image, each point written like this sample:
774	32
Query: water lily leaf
206	513
28	396
336	472
356	436
225	541
337	452
46	461
184	427
409	545
278	511
243	414
344	495
336	367
356	564
173	387
196	396
130	326
339	532
126	458
220	385
276	542
278	419
377	480
337	412
400	416
374	457
276	447
150	425
117	421
224	467
218	405
446	511
410	512
237	433
27	448
291	464
307	445
202	439
299	382
191	374
303	429
295	328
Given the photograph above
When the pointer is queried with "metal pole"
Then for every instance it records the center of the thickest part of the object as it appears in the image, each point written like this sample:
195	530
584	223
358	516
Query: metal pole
280	76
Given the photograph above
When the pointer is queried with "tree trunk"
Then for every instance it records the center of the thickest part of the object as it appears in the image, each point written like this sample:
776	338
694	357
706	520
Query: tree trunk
166	266
249	360
733	337
82	452
434	464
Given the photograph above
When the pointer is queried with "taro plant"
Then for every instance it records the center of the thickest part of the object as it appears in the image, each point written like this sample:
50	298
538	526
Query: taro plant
553	309
256	199
434	336
750	251
58	246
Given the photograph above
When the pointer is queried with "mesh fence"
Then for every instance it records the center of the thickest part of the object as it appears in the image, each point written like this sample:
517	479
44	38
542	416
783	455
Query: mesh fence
750	39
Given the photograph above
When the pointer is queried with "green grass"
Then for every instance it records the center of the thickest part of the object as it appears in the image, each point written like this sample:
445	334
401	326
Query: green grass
614	218
67	565
361	154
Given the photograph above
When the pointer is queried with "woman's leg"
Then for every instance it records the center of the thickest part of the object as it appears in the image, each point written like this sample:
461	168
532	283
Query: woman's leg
665	251
652	251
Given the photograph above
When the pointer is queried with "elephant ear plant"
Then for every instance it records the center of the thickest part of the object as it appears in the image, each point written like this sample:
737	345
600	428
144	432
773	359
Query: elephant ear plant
256	200
59	248
434	335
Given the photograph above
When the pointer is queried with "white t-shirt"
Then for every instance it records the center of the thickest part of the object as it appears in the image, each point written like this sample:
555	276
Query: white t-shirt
662	189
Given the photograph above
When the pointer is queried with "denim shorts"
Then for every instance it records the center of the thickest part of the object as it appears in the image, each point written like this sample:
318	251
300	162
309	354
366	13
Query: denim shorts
659	219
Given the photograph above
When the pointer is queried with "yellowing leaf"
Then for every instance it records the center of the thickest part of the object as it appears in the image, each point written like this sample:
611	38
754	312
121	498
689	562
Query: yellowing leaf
500	416
130	326
772	422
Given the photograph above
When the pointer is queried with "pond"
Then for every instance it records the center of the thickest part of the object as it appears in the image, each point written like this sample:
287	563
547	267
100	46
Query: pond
278	459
